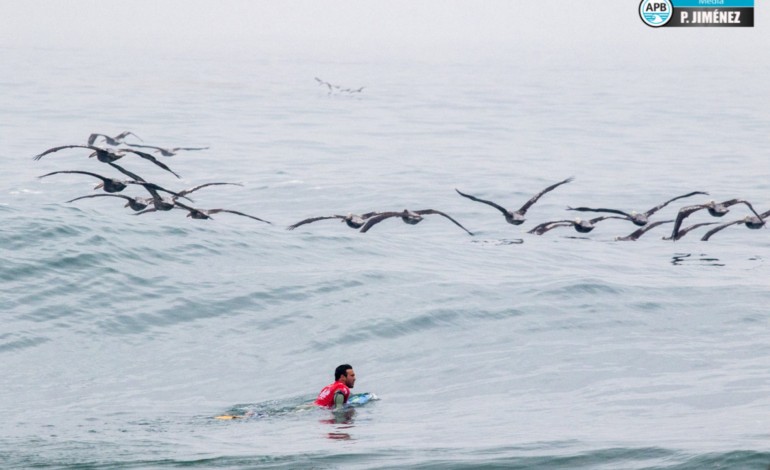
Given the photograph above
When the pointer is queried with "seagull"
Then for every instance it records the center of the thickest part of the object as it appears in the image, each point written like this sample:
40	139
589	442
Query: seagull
639	232
108	155
112	185
203	213
352	220
135	203
517	217
580	225
714	208
751	222
681	233
637	218
409	217
333	87
117	140
327	84
167	152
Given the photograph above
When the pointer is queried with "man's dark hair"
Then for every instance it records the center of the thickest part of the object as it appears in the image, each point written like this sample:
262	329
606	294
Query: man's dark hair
341	370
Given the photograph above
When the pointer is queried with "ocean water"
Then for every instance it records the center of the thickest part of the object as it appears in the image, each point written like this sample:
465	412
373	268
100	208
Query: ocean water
123	336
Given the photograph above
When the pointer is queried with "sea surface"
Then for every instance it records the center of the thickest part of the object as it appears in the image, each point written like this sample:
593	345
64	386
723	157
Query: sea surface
123	336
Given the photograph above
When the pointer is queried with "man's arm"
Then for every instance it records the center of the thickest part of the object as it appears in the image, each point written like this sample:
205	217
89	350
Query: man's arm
339	400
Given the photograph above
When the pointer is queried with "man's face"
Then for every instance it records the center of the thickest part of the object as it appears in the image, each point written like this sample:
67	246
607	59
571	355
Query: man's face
349	378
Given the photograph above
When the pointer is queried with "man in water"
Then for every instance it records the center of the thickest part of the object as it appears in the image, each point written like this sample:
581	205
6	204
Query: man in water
335	395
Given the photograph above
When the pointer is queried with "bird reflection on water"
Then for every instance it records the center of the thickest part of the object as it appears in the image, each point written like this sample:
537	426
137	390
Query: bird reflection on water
702	259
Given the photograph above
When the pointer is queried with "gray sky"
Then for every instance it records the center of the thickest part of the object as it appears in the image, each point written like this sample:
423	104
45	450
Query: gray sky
593	30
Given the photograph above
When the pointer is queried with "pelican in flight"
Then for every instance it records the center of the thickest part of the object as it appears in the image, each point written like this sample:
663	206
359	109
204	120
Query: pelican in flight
637	218
716	209
117	140
580	225
351	220
108	155
641	231
203	213
682	232
409	217
516	217
751	222
162	204
166	152
135	203
112	185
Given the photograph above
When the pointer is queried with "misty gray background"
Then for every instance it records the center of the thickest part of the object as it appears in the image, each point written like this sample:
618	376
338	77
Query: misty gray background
600	32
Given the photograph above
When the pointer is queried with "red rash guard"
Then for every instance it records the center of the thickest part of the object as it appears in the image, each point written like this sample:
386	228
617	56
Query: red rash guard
326	397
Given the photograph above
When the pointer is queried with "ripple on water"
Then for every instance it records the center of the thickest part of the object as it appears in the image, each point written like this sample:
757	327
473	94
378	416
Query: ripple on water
16	341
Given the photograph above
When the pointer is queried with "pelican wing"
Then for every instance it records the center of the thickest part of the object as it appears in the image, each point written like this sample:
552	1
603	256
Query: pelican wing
546	226
201	214
537	196
215	211
600	209
100	195
605	217
473	198
661	206
638	233
125	172
92	138
153	189
154	160
719	228
185	192
117	140
149	209
163	151
733	202
145	146
433	211
313	219
125	134
103	178
376	219
689	229
61	147
683	213
186	207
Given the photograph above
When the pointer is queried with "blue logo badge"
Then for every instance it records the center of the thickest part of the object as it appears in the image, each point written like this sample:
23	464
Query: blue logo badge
655	13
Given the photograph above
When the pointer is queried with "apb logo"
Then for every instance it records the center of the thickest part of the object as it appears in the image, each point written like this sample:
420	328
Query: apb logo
655	12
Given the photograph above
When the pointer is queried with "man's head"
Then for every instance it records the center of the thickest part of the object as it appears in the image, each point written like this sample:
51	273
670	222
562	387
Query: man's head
345	374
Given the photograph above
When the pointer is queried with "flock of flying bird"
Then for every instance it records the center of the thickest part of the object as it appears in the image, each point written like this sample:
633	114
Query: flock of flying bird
113	148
